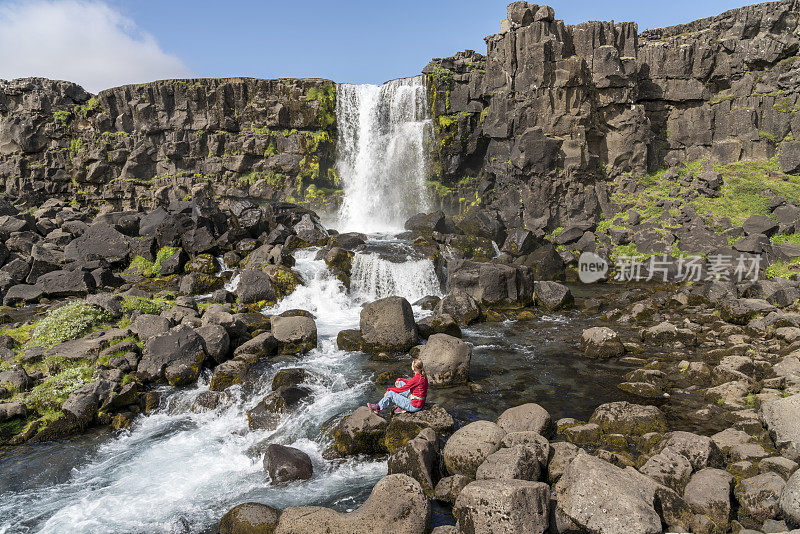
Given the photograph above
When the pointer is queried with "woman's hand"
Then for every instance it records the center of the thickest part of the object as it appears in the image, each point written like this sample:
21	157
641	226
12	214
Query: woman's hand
397	383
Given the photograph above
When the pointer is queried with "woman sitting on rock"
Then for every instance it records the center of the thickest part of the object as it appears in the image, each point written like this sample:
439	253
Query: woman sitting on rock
408	394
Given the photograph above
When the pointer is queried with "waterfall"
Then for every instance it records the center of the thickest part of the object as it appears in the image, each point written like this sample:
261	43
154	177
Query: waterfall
381	153
373	277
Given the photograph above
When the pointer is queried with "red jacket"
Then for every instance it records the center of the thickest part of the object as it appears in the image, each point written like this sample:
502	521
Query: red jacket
418	386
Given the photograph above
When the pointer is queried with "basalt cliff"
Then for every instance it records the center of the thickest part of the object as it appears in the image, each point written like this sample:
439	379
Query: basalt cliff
536	131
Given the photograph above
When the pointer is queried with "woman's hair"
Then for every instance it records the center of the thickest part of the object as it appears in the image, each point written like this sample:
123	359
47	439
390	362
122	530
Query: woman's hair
417	366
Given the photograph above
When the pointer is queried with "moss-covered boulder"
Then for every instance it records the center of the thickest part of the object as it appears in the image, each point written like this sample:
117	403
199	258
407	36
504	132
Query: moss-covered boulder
406	426
350	340
284	280
628	419
203	264
361	432
249	518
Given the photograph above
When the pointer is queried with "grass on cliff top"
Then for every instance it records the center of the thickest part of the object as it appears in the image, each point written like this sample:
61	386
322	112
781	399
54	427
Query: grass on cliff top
746	190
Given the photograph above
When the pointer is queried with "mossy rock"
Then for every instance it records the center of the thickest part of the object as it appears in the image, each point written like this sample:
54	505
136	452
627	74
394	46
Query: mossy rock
470	246
405	427
350	340
629	419
284	280
203	264
361	432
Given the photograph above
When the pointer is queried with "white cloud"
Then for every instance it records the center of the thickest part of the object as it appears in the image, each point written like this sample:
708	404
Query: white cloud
85	42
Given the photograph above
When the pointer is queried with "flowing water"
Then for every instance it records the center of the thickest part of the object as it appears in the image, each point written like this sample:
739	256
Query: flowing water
179	470
381	153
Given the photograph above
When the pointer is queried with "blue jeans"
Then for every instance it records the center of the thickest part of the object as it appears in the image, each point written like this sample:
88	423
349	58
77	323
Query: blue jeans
401	400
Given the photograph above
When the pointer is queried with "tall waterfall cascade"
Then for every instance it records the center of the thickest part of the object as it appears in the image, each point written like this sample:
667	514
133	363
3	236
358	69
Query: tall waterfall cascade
381	153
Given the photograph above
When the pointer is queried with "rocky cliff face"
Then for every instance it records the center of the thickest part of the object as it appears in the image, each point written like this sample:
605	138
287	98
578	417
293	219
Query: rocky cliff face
140	145
539	127
536	131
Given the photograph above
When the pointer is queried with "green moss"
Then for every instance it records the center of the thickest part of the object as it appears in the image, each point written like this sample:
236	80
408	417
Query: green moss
327	103
20	333
627	251
285	281
781	269
62	117
148	306
444	78
70	321
87	109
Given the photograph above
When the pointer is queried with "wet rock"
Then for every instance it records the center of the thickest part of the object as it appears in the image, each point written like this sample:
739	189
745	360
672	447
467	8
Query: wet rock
261	418
407	426
207	400
418	458
790	500
595	496
310	231
397	504
552	295
629	419
758	498
461	306
781	417
249	518
438	324
470	445
263	344
83	403
295	335
709	493
446	359
289	377
361	432
286	397
601	342
526	418
503	506
216	341
228	374
387	325
287	464
175	356
516	462
668	468
349	340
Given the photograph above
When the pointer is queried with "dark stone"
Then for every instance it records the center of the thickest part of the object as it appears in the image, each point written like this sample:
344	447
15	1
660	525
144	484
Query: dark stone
287	464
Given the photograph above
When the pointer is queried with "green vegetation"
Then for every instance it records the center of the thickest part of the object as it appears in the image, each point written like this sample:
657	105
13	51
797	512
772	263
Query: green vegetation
327	103
443	78
152	269
62	117
54	390
85	110
783	269
148	306
20	333
70	321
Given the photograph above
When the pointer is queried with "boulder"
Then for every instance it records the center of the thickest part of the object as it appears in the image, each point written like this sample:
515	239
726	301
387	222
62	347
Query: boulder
264	344
601	342
405	426
176	356
470	445
709	493
552	295
255	286
701	451
99	242
349	340
17	378
418	458
515	462
596	496
533	441
387	325
249	518
526	418
427	223
287	464
562	455
438	324
62	284
148	326
361	432
310	231
446	360
668	468
490	284
742	311
461	306
216	341
503	506
759	498
630	419
790	500
228	374
448	488
781	418
397	504
12	410
292	376
295	335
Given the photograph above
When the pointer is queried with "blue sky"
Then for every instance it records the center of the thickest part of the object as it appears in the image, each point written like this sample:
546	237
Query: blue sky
347	41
